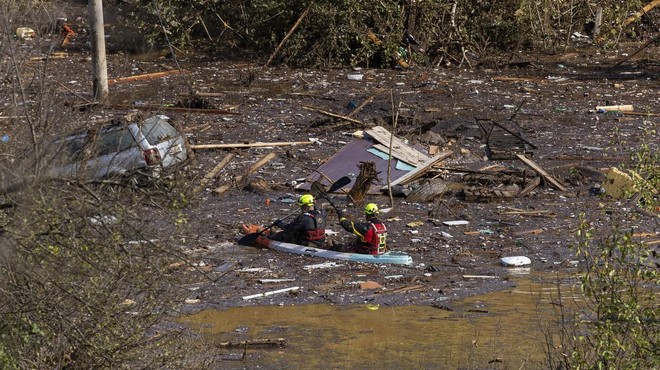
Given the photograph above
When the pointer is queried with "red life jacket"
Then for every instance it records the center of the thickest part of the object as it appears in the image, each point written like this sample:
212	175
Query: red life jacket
374	240
319	227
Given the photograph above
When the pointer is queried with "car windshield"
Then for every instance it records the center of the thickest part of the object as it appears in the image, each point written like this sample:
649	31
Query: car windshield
158	130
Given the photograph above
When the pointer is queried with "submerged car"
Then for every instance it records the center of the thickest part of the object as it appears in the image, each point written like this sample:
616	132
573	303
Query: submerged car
141	150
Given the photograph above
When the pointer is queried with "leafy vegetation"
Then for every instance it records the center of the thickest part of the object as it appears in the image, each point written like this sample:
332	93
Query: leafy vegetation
615	323
336	32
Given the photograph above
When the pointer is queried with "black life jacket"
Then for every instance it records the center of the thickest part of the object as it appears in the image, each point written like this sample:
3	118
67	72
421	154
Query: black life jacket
318	233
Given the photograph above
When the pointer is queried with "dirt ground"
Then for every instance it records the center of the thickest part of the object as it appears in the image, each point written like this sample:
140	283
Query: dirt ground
548	99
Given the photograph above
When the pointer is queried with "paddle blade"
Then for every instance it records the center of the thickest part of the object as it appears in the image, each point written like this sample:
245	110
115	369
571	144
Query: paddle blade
339	184
249	239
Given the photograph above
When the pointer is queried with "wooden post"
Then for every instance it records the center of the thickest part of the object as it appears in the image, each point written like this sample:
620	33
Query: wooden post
598	21
99	61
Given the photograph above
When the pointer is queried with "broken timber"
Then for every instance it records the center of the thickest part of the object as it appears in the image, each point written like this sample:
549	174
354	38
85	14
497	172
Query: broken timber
249	145
255	167
213	173
553	182
400	150
419	171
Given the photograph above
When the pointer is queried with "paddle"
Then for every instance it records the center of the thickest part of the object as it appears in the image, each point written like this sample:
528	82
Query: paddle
317	187
249	239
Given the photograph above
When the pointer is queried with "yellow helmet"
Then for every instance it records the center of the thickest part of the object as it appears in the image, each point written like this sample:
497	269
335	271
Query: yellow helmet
371	209
306	200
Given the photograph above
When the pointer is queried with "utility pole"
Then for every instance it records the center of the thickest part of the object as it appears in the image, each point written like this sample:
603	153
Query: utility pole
99	61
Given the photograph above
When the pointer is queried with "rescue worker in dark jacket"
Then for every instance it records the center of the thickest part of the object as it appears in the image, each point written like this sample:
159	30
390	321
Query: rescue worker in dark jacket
371	235
307	229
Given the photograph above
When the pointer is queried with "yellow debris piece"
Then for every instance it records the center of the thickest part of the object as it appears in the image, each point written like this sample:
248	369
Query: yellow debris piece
619	184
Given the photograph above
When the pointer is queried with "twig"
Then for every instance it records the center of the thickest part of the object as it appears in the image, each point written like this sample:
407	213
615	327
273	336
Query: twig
293	28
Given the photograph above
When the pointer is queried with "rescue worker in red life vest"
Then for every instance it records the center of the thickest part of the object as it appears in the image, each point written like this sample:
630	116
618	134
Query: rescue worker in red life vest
307	229
371	235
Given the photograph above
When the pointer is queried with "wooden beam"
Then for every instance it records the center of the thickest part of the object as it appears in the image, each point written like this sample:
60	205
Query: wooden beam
249	145
553	182
419	171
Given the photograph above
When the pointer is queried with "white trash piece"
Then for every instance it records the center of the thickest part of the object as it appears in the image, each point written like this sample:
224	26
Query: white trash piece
515	261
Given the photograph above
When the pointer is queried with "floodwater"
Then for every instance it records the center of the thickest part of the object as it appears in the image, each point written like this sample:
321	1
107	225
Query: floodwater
501	330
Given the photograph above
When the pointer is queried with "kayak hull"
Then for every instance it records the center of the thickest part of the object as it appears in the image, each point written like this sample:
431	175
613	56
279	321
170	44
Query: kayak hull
391	257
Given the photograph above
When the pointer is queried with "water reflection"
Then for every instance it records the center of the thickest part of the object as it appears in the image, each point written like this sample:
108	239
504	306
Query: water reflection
495	331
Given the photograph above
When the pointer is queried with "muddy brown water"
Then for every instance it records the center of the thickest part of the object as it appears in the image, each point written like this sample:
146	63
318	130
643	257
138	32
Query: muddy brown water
501	330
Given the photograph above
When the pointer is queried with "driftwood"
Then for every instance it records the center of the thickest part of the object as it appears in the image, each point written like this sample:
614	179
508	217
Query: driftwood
254	342
367	176
213	173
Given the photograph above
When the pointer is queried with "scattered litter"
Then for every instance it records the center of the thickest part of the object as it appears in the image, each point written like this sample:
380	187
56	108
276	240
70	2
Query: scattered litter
370	285
479	277
355	76
618	184
268	281
321	266
103	220
25	33
192	301
272	292
515	261
456	222
254	269
614	108
415	224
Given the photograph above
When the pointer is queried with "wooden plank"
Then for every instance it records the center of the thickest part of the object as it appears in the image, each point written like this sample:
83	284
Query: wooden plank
146	76
419	171
553	182
249	145
382	135
213	173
